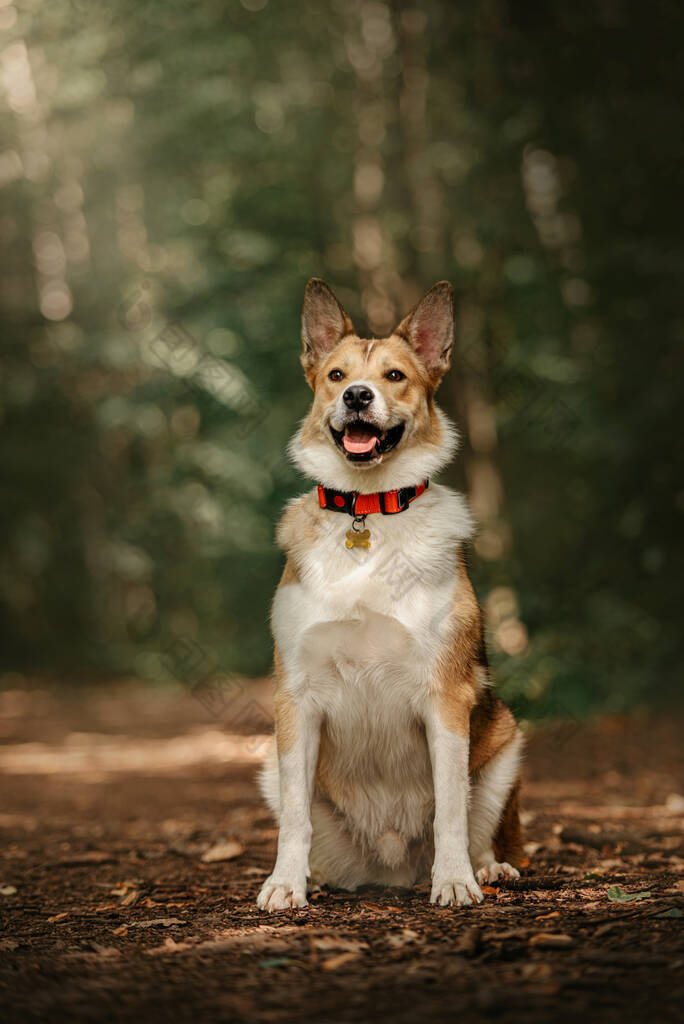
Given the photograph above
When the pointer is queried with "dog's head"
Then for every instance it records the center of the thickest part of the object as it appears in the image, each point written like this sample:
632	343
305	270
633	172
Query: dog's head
374	424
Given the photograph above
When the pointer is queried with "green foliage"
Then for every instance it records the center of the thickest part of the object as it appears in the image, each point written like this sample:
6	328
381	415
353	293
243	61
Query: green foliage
616	894
172	174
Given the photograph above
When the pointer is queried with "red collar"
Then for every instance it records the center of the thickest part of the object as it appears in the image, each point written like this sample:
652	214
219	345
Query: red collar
355	504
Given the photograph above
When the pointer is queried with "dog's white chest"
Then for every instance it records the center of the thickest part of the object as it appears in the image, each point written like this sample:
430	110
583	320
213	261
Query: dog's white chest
362	612
357	613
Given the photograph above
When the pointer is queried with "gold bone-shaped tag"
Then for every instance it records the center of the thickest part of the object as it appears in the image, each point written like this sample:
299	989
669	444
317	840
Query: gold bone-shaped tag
360	539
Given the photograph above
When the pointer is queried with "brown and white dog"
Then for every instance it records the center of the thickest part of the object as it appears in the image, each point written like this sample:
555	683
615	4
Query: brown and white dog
394	761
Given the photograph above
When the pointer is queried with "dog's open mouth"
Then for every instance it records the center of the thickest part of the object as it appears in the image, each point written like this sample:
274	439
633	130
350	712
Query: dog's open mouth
363	442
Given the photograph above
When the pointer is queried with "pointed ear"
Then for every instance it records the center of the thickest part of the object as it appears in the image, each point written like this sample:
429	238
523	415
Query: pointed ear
429	329
324	323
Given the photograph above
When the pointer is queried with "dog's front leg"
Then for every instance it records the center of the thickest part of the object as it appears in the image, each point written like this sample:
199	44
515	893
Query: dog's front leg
297	735
453	881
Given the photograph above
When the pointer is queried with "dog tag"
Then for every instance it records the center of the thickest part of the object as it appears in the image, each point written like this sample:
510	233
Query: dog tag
358	539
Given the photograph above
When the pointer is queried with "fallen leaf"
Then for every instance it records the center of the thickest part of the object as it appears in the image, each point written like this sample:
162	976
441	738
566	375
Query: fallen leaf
106	951
545	917
511	933
130	898
549	989
161	922
327	942
121	930
88	857
169	946
536	971
7	890
223	851
403	939
469	942
378	909
338	961
275	961
616	894
182	849
58	917
672	912
490	890
551	940
123	888
604	929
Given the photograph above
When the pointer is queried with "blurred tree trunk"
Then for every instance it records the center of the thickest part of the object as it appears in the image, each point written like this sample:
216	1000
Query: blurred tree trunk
369	47
429	257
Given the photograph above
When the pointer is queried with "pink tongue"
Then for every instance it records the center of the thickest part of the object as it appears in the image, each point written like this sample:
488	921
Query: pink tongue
360	442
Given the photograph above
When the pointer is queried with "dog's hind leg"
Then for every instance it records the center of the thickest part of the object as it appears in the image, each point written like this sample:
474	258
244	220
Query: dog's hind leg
493	823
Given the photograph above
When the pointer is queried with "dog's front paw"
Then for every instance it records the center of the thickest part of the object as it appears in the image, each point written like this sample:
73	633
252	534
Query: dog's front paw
493	871
455	892
281	895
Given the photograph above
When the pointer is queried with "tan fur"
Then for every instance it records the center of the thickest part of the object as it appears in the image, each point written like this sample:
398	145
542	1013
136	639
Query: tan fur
492	726
508	837
328	777
290	574
456	683
297	528
407	400
285	710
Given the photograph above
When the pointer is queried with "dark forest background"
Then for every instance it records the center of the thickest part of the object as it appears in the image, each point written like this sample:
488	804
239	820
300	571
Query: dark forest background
171	173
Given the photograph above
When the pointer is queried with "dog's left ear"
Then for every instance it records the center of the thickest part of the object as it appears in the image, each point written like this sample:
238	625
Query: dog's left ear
324	324
429	329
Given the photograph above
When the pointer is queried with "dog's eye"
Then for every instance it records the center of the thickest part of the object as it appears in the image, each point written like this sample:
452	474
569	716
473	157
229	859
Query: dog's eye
335	375
395	375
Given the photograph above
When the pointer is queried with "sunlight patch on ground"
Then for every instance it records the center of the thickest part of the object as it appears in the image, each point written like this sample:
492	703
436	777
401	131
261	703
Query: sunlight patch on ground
93	755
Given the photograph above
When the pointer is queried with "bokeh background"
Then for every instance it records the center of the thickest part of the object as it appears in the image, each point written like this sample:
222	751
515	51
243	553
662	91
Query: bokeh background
171	173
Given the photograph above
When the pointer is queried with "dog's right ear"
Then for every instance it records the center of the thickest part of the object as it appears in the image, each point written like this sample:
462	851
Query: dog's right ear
324	324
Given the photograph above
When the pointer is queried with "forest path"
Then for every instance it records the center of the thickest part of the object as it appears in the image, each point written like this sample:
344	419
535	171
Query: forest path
111	798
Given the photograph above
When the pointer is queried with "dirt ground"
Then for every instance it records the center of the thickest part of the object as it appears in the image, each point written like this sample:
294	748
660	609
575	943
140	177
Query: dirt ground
134	843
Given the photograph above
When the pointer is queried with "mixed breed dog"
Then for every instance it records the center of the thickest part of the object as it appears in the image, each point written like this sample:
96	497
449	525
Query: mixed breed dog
393	762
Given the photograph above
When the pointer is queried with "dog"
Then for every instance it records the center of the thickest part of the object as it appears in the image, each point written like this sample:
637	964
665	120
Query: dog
394	762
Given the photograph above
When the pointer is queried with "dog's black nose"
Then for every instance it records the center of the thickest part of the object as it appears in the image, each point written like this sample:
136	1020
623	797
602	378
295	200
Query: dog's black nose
358	397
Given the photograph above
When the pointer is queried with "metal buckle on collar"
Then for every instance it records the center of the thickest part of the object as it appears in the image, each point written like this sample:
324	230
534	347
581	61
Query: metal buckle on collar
403	498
